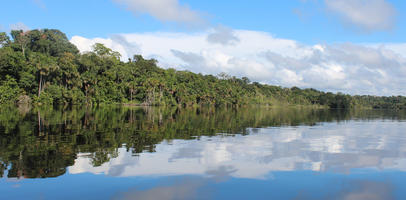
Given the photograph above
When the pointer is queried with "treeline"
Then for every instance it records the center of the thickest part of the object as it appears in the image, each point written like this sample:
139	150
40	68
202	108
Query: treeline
42	66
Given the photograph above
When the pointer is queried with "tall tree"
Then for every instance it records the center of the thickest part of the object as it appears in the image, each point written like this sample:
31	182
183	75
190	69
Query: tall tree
21	40
45	66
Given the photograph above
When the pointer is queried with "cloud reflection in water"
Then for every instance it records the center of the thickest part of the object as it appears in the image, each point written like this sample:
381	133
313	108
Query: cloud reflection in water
341	147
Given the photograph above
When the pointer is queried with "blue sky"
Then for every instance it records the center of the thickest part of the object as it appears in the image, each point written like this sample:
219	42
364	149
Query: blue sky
304	21
350	46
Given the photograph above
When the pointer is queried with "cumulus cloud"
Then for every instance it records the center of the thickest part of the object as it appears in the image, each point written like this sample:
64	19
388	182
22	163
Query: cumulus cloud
164	10
377	69
19	26
115	42
190	58
130	48
223	35
368	15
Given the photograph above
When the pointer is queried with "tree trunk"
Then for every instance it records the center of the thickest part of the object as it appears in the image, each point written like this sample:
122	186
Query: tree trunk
23	50
39	122
160	94
131	91
40	84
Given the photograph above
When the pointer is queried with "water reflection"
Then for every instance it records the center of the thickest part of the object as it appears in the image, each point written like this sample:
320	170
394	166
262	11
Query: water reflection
43	142
379	145
371	190
187	188
199	188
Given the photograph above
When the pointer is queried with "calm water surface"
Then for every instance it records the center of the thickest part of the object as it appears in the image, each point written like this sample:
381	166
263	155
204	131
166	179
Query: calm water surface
157	153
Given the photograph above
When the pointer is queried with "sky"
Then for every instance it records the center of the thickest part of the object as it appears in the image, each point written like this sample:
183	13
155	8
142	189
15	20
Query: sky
349	46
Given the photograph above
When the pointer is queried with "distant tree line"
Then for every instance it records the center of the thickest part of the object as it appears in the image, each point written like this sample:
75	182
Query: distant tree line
43	67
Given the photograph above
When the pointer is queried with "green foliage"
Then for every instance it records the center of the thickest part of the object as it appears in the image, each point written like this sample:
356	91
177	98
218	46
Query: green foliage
47	41
20	41
74	96
48	68
12	63
44	98
4	39
9	91
103	51
55	92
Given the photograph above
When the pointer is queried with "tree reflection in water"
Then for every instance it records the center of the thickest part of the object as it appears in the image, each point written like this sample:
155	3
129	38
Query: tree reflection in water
43	142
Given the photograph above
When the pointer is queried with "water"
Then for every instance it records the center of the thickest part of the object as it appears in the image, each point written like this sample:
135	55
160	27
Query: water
205	153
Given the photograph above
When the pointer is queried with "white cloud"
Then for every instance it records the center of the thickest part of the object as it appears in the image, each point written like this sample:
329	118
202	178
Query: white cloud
223	35
164	10
19	26
116	42
368	15
377	69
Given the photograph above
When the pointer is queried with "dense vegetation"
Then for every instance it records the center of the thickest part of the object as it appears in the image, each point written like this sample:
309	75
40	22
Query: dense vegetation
42	66
43	141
